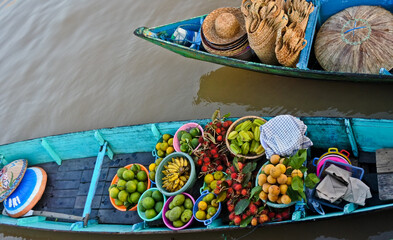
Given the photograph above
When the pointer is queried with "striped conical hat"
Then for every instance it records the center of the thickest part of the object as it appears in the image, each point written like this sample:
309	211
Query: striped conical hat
10	177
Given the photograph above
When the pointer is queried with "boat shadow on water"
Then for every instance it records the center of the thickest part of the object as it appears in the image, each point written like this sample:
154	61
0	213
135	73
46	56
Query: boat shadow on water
273	94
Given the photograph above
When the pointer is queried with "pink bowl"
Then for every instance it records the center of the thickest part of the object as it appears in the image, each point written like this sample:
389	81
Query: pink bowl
186	127
331	157
166	208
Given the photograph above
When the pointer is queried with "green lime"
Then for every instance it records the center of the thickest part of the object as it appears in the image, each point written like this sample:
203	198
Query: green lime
178	223
213	184
209	197
201	215
134	197
180	134
128	175
123	195
114	192
150	213
195	132
141	176
164	146
157	196
135	168
170	142
121	184
186	136
184	147
158	161
194	142
148	202
118	202
120	172
148	194
141	187
152	176
218	175
130	186
211	211
160	153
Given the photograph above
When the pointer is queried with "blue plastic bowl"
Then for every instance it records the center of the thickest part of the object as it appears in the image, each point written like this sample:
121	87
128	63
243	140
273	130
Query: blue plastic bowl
195	209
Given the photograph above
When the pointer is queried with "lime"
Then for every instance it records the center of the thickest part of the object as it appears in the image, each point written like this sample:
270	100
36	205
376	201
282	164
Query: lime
208	178
130	186
201	215
209	197
184	147
135	181
158	146
180	134
194	142
134	197
141	208
213	184
186	136
166	136
121	184
141	187
114	192
158	161
164	146
218	175
128	175
170	142
195	131
211	211
160	153
120	172
118	202
150	213
157	196
148	202
158	206
141	176
148	194
123	195
135	168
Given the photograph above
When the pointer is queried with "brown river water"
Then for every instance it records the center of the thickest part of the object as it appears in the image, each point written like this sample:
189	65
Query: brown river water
71	65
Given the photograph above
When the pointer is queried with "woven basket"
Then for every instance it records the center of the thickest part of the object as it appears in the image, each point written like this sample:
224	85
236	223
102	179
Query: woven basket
233	126
357	40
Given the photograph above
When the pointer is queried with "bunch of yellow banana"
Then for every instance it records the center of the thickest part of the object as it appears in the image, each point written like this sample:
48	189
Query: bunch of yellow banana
176	174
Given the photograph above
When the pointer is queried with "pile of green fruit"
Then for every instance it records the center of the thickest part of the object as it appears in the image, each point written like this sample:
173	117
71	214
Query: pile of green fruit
153	168
207	207
210	180
151	204
189	140
244	139
165	147
180	210
129	187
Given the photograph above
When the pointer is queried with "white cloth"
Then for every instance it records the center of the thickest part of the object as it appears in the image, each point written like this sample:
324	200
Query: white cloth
284	135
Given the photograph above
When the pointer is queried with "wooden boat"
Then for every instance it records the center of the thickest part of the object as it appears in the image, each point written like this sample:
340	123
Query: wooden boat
307	67
81	165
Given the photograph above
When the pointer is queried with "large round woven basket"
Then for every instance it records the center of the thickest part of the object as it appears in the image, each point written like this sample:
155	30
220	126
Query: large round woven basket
358	40
232	127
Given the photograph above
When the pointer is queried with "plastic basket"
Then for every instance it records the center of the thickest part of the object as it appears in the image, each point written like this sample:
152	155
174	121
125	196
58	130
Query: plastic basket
116	178
195	209
202	189
159	175
357	172
142	214
166	208
186	127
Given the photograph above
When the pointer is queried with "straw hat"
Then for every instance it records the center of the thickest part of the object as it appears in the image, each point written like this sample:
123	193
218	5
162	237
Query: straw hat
10	177
224	26
357	39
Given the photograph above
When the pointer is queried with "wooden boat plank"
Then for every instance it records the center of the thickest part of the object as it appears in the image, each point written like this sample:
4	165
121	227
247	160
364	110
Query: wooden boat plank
385	186
384	160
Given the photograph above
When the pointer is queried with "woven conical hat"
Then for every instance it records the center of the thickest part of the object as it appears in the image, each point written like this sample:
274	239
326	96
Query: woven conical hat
357	39
224	26
10	177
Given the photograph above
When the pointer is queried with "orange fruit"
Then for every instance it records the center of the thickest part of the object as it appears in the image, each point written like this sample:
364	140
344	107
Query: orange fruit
262	178
263	195
282	167
267	168
275	172
285	199
271	179
283	188
297	172
272	198
274	159
265	187
279	200
289	181
274	190
282	179
202	205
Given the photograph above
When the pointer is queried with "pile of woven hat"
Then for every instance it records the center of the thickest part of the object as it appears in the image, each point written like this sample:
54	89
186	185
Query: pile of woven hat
223	33
276	29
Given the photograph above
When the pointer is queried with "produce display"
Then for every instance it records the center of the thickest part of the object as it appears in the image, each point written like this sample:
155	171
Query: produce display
127	186
188	139
180	211
207	207
243	137
212	179
165	146
151	204
177	172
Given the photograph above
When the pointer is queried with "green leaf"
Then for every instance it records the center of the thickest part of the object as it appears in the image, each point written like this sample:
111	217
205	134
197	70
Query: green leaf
249	167
303	169
303	195
246	221
297	160
222	196
215	114
211	138
226	115
311	180
294	195
286	161
241	206
235	164
297	184
255	190
246	179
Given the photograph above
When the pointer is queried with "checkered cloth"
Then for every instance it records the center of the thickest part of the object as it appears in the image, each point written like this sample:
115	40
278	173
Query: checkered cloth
284	135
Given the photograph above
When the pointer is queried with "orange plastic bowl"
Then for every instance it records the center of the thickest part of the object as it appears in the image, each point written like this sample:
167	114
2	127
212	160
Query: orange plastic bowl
114	181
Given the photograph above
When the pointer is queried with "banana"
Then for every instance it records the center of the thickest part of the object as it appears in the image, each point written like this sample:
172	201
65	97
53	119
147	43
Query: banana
177	161
185	163
181	183
181	162
176	183
173	178
183	178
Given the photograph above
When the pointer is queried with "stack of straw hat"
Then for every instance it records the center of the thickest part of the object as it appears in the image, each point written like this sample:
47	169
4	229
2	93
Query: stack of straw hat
269	36
358	40
223	33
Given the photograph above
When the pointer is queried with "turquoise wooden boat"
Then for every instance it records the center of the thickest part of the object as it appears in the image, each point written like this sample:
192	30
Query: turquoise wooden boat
161	36
81	165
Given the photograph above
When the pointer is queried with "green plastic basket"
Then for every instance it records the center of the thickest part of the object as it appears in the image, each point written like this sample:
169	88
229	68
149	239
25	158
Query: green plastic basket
142	214
159	175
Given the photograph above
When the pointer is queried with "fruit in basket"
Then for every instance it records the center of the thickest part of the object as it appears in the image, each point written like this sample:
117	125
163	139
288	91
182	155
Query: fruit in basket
130	185
153	168
189	140
152	204
244	138
165	146
207	207
181	211
177	172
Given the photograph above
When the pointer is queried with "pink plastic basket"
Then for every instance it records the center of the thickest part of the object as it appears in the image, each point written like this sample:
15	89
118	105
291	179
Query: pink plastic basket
186	127
333	158
166	208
